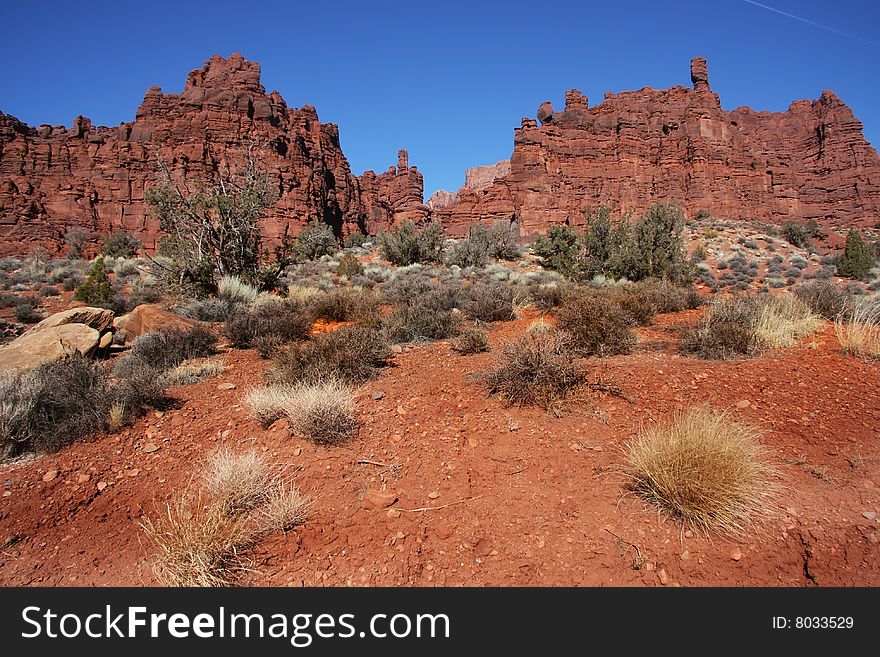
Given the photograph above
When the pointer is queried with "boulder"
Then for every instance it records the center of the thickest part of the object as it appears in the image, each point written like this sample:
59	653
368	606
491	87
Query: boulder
96	318
149	317
48	345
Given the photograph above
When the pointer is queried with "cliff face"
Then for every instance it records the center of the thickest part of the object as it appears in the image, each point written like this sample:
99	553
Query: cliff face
53	178
809	162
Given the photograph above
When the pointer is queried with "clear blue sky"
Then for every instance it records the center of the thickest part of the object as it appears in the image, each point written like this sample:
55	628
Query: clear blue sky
448	80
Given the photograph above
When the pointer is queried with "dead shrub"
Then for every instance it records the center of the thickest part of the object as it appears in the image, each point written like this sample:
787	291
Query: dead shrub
491	302
534	370
824	298
595	325
704	469
726	330
350	353
285	509
344	305
471	341
271	322
168	348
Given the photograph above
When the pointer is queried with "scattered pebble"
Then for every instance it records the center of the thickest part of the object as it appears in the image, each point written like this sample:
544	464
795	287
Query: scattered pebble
378	395
870	515
50	475
150	448
226	386
736	555
434	494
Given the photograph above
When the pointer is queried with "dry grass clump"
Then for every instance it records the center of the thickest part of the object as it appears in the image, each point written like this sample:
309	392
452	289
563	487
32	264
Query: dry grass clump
197	543
277	320
193	371
233	290
322	411
746	326
238	481
285	509
471	341
203	534
784	318
705	469
859	330
535	370
266	404
824	298
595	324
344	305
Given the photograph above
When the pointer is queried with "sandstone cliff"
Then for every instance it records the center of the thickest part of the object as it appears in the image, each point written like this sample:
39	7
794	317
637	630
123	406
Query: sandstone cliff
809	162
54	178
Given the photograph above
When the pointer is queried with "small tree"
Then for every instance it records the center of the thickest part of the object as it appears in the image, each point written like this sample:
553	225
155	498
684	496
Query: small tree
857	258
558	248
602	242
96	288
653	247
78	241
800	234
214	230
315	240
406	244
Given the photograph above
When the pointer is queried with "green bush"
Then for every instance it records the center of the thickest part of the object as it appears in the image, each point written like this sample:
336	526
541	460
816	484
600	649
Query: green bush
558	249
167	348
96	289
471	341
354	240
121	244
800	234
858	257
405	244
315	240
824	298
653	247
483	244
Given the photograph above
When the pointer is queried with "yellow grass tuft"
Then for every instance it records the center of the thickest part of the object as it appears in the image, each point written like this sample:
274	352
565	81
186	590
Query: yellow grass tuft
859	331
705	469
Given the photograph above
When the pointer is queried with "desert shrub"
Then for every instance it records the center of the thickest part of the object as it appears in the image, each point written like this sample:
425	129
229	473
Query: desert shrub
784	318
49	407
266	403
858	330
315	240
344	305
800	234
701	215
352	354
25	311
49	291
167	348
705	469
547	296
322	411
483	244
349	266
406	244
594	324
471	341
558	249
9	300
354	240
426	318
211	309
652	247
637	303
824	298
235	291
405	287
534	370
491	301
96	289
726	330
277	322
78	242
121	244
193	371
858	257
670	298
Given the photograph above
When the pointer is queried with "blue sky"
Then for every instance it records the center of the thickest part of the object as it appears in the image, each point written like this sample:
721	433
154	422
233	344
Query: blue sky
449	80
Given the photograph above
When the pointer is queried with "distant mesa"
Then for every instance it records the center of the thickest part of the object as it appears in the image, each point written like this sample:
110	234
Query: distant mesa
809	162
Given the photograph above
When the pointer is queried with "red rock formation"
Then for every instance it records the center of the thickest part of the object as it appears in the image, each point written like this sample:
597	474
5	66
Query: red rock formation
637	147
53	178
476	179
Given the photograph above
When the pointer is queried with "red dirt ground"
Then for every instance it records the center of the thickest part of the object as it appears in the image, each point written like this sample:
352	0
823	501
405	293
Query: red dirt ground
515	496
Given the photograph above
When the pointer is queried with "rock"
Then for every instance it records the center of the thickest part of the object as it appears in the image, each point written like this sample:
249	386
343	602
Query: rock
513	425
378	395
101	485
47	345
98	184
83	478
870	515
149	448
743	403
97	318
226	386
736	554
106	340
393	513
378	499
811	161
50	475
434	494
663	576
132	473
149	317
